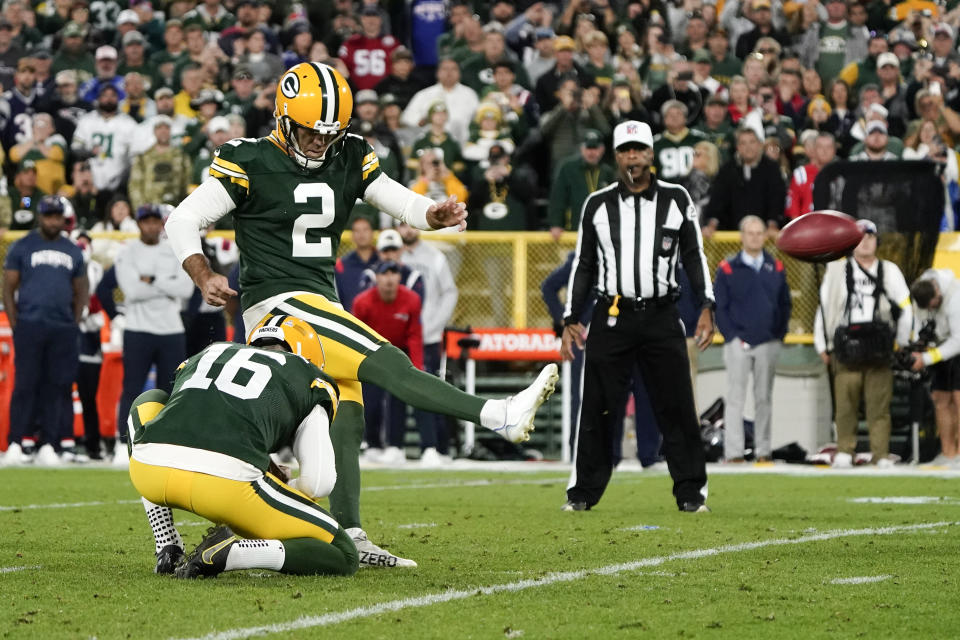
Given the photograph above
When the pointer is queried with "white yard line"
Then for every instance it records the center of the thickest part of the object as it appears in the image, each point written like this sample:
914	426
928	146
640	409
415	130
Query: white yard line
65	505
14	569
328	619
417	525
860	580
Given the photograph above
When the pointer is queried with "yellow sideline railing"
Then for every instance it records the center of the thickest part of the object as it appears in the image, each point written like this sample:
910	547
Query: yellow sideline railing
499	273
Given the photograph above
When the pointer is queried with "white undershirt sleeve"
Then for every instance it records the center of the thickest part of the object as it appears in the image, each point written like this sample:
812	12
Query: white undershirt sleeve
208	203
396	200
314	452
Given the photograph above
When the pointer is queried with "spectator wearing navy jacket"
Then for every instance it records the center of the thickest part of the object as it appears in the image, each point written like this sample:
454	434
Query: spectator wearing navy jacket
47	272
349	270
753	311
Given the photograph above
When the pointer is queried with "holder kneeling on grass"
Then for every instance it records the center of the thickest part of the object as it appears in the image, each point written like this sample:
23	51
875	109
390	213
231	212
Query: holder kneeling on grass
206	447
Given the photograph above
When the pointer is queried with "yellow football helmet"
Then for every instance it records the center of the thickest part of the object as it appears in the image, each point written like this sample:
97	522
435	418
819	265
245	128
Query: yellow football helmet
312	96
293	332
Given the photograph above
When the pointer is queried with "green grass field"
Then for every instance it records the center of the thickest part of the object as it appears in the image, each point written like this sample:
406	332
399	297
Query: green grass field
780	556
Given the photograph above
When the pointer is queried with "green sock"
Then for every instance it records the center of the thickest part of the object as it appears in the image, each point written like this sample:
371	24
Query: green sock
346	433
391	369
309	556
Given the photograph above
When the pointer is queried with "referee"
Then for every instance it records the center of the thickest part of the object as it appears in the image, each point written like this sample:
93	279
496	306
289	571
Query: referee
631	235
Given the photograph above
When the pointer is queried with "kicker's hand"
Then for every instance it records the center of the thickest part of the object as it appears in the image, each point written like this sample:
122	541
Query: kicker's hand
215	289
448	213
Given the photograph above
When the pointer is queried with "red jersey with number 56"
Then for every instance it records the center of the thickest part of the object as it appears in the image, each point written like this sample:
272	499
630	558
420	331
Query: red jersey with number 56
368	59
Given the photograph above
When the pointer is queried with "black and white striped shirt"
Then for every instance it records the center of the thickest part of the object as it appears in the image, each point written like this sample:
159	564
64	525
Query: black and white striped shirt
629	244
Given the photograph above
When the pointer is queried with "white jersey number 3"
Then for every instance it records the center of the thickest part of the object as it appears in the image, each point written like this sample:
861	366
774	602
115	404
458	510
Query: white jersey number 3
301	195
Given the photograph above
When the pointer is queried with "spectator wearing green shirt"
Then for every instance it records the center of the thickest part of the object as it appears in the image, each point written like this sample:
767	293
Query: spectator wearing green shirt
166	60
477	70
437	137
831	45
73	53
597	62
575	179
133	57
723	64
716	126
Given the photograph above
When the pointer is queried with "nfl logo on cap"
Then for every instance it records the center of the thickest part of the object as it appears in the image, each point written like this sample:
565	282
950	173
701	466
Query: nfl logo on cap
632	131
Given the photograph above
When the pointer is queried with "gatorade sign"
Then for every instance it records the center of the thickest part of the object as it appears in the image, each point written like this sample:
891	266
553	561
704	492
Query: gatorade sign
508	344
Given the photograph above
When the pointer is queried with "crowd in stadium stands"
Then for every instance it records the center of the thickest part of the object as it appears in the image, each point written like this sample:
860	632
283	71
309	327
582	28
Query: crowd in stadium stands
118	105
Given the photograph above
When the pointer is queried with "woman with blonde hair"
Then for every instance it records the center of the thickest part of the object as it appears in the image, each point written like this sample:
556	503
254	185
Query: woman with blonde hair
740	104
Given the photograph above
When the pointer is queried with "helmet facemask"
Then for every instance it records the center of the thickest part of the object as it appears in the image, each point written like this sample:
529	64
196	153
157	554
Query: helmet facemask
333	133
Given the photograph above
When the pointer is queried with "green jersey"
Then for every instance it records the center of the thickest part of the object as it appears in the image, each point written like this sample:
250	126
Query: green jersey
673	154
288	220
240	401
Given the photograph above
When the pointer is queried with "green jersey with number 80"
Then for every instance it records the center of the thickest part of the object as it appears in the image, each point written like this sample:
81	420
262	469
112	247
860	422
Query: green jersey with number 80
288	220
240	401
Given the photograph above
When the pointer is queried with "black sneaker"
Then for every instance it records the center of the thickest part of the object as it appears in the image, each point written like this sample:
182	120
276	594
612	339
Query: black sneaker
167	559
571	505
694	507
209	559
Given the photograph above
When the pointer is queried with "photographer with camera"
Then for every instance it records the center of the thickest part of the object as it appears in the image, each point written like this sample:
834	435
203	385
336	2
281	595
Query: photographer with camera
436	181
864	308
936	295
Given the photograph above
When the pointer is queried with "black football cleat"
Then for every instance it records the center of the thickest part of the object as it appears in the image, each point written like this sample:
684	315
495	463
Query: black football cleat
694	507
167	559
209	559
571	505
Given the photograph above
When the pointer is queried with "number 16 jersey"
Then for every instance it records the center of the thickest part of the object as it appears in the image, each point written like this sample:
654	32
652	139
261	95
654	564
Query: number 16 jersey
288	220
241	402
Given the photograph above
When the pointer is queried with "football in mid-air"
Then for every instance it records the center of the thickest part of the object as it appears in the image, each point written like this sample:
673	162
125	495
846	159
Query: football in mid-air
820	236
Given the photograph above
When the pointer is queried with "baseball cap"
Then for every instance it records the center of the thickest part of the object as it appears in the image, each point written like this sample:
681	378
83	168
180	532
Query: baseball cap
591	139
365	128
904	37
942	28
388	265
389	239
439	105
370	10
106	52
128	16
366	95
544	32
876	125
888	58
401	53
564	43
206	96
162	120
632	131
387	99
218	123
163	92
761	4
717	99
67	76
133	37
148	211
867	226
73	30
242	71
701	55
41	54
27	165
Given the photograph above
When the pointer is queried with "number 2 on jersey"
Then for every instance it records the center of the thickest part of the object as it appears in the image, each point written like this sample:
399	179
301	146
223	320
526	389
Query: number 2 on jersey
301	195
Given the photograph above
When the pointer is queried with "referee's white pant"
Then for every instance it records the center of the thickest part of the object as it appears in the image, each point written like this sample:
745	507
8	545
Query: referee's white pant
652	337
